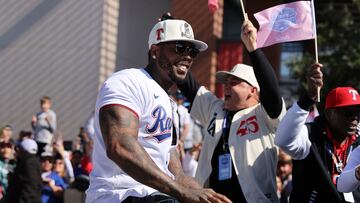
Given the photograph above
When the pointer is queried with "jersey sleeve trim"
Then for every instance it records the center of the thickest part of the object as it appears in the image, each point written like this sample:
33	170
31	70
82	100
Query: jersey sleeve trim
111	105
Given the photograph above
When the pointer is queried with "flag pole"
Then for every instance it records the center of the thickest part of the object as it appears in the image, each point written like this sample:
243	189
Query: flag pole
243	10
316	45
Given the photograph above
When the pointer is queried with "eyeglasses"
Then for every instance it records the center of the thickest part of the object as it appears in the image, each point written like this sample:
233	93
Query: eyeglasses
180	48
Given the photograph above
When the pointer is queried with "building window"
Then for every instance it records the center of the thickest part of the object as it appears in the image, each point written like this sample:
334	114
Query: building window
289	52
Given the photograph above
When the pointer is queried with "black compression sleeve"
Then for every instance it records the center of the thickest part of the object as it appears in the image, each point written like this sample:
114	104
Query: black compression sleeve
189	87
269	88
305	102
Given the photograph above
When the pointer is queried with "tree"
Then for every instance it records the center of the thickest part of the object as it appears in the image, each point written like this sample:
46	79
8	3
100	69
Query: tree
338	30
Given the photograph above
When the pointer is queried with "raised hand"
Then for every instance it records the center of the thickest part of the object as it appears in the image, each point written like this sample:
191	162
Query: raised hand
248	35
314	79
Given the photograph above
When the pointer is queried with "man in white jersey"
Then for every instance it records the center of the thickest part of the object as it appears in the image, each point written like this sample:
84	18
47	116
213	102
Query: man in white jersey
134	153
238	158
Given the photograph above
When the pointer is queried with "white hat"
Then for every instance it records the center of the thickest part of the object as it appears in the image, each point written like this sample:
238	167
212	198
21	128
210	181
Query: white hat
241	71
174	30
29	145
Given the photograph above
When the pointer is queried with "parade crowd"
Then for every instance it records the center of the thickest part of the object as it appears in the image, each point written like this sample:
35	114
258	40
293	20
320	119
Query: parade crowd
38	166
157	135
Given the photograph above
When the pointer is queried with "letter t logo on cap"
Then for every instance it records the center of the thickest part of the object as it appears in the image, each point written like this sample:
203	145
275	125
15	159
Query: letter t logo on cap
354	93
158	33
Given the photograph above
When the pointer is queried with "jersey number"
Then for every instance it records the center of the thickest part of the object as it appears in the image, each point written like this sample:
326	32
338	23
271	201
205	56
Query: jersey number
247	126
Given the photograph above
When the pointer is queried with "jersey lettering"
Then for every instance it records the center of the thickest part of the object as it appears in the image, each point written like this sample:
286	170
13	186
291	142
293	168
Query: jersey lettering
248	126
211	127
161	123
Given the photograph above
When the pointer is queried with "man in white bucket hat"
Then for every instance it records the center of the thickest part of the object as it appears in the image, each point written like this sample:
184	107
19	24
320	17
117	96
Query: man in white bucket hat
134	156
239	158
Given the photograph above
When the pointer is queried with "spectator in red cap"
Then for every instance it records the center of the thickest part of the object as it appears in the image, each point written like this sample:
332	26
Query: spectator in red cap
320	150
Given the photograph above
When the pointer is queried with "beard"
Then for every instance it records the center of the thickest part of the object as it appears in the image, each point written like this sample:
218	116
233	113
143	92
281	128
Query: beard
166	66
169	68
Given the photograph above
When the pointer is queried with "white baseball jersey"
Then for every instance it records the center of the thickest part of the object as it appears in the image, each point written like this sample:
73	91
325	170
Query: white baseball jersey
251	143
136	90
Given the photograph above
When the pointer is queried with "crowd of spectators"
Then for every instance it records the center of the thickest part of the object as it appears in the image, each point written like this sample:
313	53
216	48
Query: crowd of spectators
39	166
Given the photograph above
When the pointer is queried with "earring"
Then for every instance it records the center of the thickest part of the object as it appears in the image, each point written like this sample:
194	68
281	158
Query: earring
154	57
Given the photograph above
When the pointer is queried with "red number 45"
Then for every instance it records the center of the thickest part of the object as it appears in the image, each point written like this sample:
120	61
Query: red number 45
247	126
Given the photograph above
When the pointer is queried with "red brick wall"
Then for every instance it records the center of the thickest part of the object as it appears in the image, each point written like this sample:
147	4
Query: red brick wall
208	28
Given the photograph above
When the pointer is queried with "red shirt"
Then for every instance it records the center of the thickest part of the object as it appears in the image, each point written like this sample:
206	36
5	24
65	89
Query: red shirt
339	153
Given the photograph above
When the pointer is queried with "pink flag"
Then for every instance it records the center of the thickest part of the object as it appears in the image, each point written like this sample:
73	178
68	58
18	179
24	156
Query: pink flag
286	22
213	5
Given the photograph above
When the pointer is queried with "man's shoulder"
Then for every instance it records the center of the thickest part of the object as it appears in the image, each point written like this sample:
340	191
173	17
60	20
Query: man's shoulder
128	72
127	76
207	96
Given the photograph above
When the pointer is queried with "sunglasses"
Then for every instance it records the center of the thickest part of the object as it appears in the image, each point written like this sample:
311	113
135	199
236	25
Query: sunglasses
348	113
181	48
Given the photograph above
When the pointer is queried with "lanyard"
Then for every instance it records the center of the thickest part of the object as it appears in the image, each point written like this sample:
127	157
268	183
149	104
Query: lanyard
340	160
339	152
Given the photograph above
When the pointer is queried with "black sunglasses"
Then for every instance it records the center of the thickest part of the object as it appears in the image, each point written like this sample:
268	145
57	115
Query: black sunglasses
348	113
181	48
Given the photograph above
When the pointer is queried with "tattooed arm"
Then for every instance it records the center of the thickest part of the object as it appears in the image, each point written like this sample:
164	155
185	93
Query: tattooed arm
176	169
119	127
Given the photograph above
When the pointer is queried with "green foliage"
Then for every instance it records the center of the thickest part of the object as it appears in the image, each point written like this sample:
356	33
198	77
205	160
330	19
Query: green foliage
338	30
